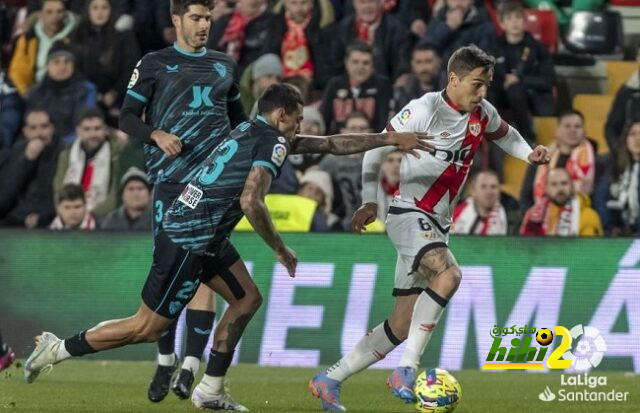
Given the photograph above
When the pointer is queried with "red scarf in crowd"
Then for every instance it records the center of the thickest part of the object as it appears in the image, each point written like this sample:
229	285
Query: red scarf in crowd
232	40
295	54
367	30
389	188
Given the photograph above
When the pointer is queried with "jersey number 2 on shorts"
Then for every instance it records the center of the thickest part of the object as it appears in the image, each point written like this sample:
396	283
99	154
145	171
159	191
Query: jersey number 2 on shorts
225	153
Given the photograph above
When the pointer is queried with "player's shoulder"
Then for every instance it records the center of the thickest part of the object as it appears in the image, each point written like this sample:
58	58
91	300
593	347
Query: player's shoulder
488	109
426	102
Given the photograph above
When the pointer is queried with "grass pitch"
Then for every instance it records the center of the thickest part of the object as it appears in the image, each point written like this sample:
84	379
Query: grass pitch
95	386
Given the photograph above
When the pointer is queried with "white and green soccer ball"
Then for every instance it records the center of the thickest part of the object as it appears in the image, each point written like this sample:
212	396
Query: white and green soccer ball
437	391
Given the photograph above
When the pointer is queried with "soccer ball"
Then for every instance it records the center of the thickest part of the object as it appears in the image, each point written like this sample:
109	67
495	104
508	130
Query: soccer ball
544	337
437	391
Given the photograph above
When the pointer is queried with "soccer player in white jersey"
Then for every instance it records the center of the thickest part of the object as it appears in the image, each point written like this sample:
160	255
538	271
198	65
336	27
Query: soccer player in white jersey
427	275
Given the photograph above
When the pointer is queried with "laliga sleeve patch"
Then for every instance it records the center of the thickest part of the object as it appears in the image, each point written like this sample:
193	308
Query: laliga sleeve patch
134	78
404	116
190	196
279	154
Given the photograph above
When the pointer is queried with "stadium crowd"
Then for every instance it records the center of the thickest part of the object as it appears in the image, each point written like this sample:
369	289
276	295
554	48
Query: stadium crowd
66	65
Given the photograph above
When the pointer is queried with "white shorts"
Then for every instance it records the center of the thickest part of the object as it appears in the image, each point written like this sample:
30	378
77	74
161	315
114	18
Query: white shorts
413	232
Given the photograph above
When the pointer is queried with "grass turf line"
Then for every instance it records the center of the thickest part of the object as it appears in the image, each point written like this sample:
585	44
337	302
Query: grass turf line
108	386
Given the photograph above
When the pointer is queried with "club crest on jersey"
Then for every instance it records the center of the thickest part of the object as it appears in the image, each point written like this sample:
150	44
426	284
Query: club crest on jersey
134	78
404	117
475	128
221	69
279	154
190	196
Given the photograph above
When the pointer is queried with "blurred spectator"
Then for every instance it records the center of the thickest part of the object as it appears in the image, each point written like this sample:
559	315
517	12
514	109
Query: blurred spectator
524	75
135	212
72	210
346	172
458	24
563	9
243	33
316	185
389	183
91	162
30	57
296	35
257	77
106	56
10	112
425	75
625	108
572	151
389	39
414	14
624	204
561	212
63	92
303	85
312	124
360	89
26	178
481	213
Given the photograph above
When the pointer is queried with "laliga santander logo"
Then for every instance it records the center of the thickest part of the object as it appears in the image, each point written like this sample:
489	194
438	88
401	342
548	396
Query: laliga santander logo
589	350
588	353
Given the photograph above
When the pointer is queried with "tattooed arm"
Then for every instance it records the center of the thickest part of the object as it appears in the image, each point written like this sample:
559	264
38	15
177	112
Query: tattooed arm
346	144
252	203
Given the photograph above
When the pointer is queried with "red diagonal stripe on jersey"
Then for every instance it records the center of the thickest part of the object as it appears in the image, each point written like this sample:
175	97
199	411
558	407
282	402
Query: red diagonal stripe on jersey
452	178
427	327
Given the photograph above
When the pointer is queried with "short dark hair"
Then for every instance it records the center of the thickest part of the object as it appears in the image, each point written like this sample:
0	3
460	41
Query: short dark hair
466	59
37	109
180	7
358	46
487	171
570	112
426	47
510	7
279	95
71	192
90	113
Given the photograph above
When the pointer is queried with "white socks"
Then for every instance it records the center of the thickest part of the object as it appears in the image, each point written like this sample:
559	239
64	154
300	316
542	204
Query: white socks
191	363
212	385
166	359
426	314
372	348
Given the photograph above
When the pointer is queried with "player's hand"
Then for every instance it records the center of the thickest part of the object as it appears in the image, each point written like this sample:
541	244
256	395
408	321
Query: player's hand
364	216
170	144
540	155
410	142
287	257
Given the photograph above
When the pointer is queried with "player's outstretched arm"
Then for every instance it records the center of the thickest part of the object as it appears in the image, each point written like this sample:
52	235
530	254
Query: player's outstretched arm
252	203
345	144
514	144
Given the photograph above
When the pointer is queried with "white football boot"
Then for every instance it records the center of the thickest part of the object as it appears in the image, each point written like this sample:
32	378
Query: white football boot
223	401
43	356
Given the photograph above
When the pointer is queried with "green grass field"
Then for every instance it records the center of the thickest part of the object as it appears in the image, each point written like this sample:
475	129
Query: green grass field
94	386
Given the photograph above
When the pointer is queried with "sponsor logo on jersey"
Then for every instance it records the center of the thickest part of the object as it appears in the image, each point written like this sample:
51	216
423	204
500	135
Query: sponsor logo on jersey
134	78
172	69
445	134
404	116
451	156
475	128
279	154
190	196
221	69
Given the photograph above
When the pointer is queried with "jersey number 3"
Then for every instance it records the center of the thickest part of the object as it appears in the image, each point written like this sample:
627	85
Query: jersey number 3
225	153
